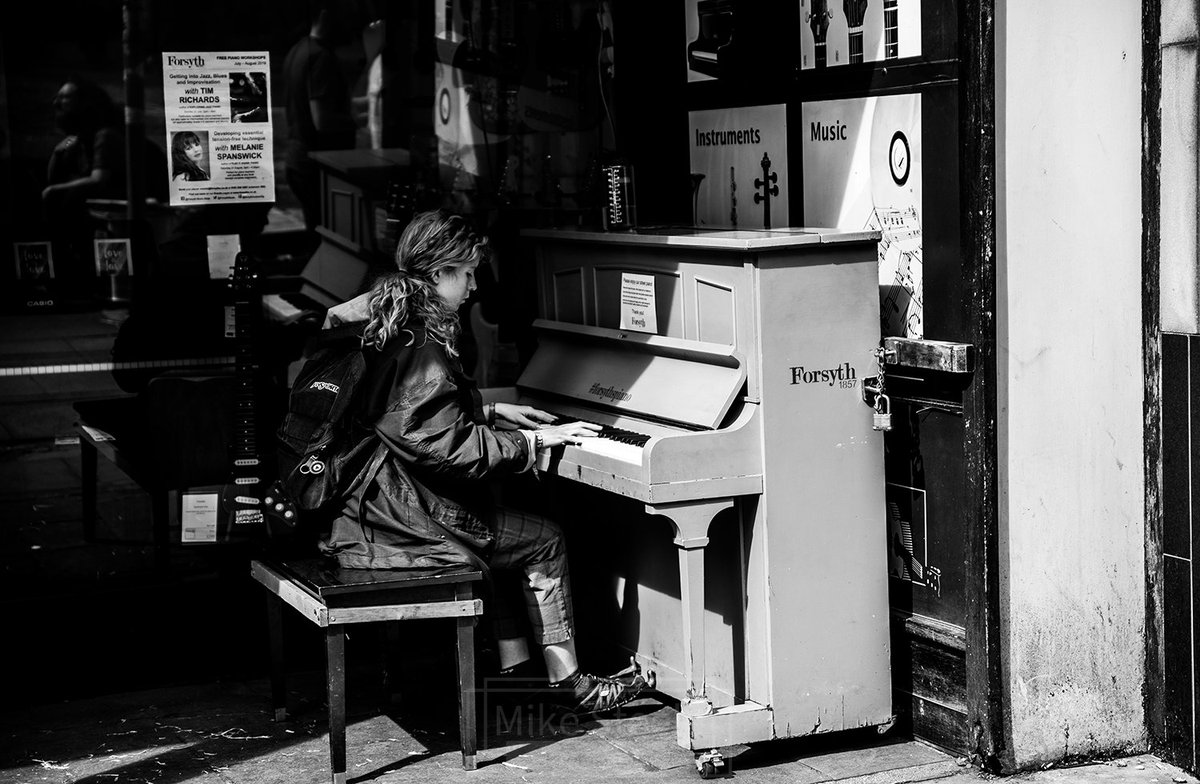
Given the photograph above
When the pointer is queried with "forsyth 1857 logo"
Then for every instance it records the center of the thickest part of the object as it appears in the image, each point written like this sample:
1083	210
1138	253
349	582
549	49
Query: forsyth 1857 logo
843	375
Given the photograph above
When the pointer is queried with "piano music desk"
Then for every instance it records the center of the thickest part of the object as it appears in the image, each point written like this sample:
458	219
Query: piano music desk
746	395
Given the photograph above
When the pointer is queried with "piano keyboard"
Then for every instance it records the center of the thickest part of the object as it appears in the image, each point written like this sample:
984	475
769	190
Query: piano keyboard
290	305
607	431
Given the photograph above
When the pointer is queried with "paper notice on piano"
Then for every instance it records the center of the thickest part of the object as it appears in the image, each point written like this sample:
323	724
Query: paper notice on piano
638	312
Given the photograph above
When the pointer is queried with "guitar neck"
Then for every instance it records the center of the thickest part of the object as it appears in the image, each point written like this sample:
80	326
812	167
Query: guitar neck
856	46
245	446
245	501
891	29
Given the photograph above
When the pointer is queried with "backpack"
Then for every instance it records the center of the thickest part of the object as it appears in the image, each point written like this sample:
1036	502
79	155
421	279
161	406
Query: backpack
317	442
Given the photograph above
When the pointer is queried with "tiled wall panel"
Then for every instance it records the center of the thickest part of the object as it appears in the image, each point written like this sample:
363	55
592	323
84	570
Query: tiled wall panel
1181	526
1176	447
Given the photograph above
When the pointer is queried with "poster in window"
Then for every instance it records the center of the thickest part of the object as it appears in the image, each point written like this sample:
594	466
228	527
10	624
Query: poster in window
739	167
908	538
218	118
863	169
847	32
113	257
735	40
35	262
35	273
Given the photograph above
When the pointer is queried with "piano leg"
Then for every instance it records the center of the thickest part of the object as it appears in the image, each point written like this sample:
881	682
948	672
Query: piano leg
691	521
699	726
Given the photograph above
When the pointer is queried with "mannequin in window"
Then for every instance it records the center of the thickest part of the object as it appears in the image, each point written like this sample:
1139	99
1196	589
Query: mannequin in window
89	163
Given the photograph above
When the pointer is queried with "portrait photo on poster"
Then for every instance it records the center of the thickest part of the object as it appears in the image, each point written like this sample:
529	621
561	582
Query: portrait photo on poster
248	100
189	156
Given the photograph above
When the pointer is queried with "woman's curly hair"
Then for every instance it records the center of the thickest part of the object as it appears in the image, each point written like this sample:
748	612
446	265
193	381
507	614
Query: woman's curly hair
432	241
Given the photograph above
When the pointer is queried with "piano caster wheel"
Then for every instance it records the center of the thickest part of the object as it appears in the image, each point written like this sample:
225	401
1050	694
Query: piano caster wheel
883	729
712	765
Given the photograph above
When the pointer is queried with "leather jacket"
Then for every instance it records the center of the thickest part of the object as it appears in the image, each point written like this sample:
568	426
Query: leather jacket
422	499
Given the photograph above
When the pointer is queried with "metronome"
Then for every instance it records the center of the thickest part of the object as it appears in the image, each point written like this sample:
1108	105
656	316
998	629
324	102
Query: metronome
620	208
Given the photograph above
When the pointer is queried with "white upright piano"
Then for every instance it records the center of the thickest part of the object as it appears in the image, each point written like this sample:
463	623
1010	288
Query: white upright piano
727	369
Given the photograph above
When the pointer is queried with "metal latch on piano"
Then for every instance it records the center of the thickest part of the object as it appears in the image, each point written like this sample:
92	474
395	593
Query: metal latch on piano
927	374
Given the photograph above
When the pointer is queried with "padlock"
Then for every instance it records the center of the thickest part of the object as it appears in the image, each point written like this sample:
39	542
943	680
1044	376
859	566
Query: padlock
883	413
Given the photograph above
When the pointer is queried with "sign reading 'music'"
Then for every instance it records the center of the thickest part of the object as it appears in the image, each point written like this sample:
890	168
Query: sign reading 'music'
862	164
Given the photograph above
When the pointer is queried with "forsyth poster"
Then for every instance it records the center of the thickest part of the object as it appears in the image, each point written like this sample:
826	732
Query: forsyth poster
219	137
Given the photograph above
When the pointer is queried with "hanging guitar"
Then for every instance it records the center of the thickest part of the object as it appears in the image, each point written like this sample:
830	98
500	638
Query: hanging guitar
244	498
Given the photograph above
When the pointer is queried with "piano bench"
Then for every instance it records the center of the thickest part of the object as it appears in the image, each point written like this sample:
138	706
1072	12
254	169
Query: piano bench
332	597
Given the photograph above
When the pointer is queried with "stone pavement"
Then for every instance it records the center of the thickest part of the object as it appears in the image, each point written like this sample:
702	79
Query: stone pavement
224	733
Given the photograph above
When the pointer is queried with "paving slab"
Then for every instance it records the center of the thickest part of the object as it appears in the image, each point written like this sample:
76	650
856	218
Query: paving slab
865	760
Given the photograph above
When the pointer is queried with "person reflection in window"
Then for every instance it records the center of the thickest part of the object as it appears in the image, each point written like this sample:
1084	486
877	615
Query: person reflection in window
317	97
89	163
187	151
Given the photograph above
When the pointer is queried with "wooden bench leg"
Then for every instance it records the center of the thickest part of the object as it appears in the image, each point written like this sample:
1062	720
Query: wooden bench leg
390	647
275	632
87	471
467	727
335	686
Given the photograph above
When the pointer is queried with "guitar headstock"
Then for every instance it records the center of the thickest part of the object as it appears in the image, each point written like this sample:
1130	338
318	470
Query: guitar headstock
818	19
856	11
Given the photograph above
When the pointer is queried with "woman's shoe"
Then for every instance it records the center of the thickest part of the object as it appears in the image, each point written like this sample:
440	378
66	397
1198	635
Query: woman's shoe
596	694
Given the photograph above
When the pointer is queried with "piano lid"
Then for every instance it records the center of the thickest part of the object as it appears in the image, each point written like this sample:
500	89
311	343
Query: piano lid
649	376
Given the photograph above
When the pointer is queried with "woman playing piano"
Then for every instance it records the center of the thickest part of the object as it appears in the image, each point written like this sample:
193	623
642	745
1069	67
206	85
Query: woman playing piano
424	502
